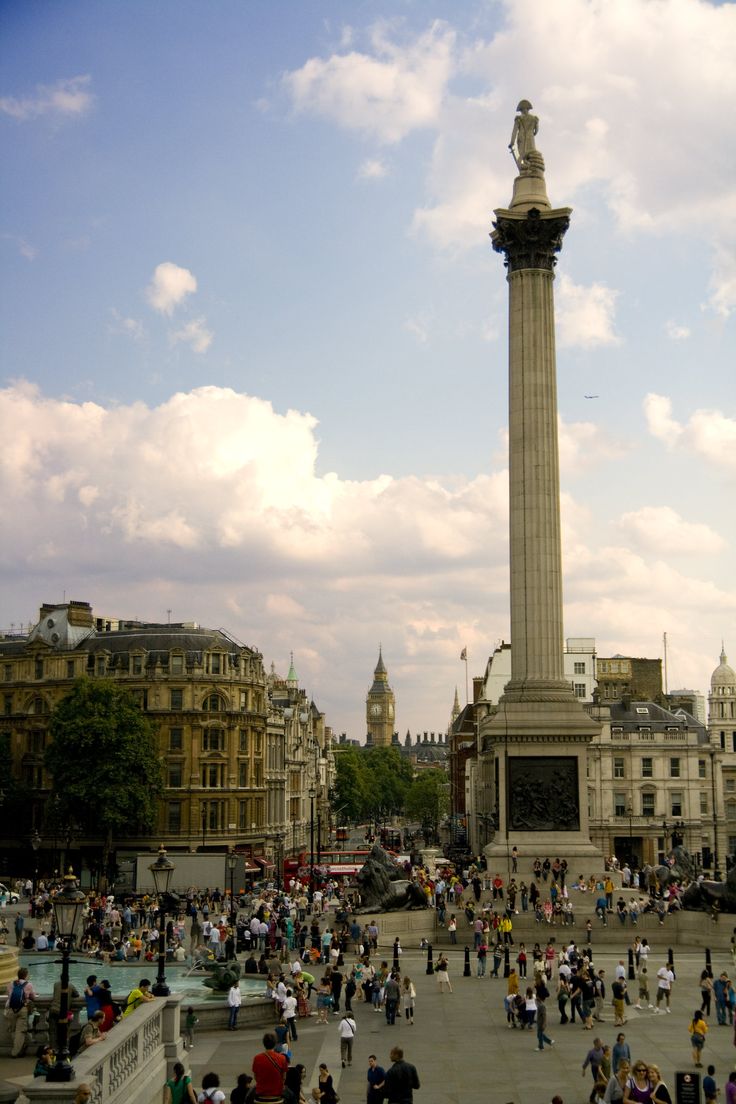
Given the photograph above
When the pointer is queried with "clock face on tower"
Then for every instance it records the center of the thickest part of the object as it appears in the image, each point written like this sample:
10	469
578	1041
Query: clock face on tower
376	710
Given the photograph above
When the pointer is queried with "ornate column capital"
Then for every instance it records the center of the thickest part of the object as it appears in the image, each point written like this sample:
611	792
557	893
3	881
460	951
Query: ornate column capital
532	239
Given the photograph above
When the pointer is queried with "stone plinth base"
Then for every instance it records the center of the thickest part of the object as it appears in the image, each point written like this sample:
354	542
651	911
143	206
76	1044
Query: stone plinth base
582	856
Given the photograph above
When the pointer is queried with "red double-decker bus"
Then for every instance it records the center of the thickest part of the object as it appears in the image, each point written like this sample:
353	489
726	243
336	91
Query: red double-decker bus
335	865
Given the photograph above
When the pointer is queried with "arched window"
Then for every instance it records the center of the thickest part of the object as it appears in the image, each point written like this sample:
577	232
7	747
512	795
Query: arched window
39	705
214	703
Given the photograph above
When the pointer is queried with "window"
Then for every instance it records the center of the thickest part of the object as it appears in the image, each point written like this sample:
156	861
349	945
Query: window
731	784
723	741
38	668
616	730
136	665
177	700
174	776
70	668
213	815
642	710
675	769
213	703
703	804
647	767
243	701
244	819
8	704
176	664
579	668
36	741
8	672
243	772
647	804
258	773
213	775
733	741
579	689
39	706
676	804
173	816
215	663
701	768
101	665
257	743
619	804
243	741
213	739
645	731
618	768
140	697
175	739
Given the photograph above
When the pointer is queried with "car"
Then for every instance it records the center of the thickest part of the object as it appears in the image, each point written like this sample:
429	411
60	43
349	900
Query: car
9	894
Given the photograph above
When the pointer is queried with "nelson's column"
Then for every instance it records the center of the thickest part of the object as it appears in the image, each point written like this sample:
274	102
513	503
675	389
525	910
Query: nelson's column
534	746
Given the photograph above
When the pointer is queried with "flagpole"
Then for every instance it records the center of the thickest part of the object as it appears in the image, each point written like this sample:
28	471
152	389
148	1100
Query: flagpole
464	658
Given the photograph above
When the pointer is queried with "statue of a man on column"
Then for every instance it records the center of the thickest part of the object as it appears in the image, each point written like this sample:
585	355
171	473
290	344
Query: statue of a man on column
529	160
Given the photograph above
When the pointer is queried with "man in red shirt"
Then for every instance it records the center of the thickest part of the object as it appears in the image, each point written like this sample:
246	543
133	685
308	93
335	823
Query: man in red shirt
269	1069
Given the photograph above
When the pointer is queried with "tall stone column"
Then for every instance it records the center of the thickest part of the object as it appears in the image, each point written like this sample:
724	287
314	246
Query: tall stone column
537	737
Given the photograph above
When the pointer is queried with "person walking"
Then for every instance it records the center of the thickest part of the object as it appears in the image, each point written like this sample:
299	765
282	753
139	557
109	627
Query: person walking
234	1001
542	1037
481	958
706	991
408	997
452	929
594	1059
392	996
376	1077
443	977
665	981
20	995
346	1031
289	1011
698	1029
401	1079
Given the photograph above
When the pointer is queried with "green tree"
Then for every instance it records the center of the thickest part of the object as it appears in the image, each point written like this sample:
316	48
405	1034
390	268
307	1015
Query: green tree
104	762
389	779
428	801
350	789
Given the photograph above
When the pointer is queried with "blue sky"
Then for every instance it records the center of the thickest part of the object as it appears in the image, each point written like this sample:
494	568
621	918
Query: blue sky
254	350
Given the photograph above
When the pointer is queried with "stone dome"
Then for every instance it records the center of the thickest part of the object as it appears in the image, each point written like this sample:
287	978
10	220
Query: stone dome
723	675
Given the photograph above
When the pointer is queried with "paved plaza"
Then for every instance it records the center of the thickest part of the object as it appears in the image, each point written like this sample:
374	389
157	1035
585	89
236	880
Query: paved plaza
464	1050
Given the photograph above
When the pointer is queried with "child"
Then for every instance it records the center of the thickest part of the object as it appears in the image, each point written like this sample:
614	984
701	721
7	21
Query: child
190	1022
710	1089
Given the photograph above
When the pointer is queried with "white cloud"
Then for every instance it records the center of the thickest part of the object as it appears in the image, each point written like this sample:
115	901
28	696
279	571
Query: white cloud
388	93
585	315
211	503
676	332
30	252
196	334
417	327
169	285
372	169
708	433
723	280
131	327
71	97
660	529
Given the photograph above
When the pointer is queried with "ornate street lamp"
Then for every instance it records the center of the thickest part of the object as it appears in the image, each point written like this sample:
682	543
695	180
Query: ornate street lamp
68	907
161	870
232	862
312	795
35	844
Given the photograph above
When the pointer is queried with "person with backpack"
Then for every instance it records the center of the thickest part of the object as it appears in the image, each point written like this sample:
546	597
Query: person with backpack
178	1089
21	995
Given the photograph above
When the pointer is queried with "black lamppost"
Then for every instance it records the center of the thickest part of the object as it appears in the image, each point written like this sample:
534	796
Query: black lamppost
232	862
161	870
68	906
312	795
630	813
35	844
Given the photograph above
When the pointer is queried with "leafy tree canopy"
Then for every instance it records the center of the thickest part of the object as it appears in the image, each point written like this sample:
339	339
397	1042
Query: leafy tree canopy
427	799
104	760
350	782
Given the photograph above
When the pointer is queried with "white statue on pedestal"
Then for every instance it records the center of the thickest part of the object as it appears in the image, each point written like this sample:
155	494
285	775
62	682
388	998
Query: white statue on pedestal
529	160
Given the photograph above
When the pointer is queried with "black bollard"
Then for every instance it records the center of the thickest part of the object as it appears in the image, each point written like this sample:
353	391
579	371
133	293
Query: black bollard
466	968
670	960
708	964
506	968
632	972
430	965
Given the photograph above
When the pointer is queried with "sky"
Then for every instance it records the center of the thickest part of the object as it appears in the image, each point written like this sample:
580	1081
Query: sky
254	336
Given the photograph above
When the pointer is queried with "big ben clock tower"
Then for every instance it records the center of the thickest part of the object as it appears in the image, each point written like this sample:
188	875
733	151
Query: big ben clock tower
380	708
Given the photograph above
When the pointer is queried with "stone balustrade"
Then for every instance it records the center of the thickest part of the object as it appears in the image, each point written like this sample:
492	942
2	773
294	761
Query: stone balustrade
129	1067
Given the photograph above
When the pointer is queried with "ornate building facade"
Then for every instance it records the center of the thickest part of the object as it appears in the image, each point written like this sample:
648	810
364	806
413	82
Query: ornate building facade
238	760
380	708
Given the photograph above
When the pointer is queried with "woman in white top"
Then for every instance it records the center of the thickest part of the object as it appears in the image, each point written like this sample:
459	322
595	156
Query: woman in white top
408	996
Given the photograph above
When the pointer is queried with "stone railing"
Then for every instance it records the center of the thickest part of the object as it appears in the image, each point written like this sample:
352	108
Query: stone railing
129	1067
